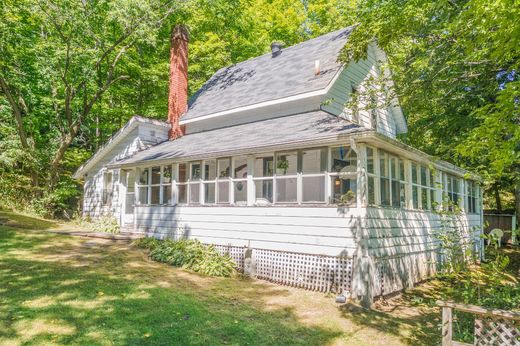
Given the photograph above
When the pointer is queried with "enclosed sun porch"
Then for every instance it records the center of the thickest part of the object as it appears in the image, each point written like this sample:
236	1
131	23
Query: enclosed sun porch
359	171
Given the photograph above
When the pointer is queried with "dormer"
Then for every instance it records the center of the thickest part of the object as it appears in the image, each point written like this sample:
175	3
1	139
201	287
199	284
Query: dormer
362	94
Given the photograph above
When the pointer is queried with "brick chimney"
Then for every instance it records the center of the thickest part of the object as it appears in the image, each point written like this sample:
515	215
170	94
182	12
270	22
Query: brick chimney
178	86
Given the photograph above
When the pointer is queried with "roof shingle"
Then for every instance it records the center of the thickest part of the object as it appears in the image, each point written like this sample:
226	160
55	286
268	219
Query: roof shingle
267	78
293	129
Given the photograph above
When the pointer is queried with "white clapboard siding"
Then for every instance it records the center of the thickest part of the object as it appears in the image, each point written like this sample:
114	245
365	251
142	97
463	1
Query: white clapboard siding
355	74
138	139
325	231
404	245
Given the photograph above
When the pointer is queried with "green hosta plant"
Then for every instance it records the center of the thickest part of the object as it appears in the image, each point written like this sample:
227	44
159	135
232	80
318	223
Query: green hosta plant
189	254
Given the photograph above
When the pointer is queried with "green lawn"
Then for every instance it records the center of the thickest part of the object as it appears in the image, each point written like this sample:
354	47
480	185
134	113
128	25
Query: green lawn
58	289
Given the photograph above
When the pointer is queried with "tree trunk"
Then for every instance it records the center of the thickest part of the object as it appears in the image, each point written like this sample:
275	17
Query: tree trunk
498	201
65	143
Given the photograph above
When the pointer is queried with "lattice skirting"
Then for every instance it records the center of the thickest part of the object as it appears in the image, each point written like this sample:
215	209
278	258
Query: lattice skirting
312	272
497	331
236	253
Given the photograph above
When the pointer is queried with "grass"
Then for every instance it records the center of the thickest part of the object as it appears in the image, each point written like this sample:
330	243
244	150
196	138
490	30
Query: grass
57	289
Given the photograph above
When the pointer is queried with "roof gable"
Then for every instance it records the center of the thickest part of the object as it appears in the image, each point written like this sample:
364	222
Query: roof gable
267	78
117	138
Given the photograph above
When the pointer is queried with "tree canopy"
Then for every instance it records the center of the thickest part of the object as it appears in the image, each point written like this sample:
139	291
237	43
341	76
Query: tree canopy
73	72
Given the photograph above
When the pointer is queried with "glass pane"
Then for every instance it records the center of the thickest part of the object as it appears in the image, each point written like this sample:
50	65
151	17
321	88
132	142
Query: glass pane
402	194
182	194
383	164
143	177
393	167
371	191
415	197
156	175
223	192
143	195
167	174
194	193
344	159
396	193
167	194
401	170
209	193
414	173
432	179
424	199
370	160
240	168
344	190
156	195
264	191
456	185
313	189
264	166
224	168
130	182
423	176
286	190
210	169
195	171
183	176
385	191
314	161
432	198
287	163
240	191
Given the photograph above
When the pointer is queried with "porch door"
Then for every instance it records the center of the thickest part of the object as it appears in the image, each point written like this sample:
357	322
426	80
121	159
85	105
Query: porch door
128	217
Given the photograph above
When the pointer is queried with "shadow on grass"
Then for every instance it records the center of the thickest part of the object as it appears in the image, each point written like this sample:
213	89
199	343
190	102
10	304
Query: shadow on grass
58	289
12	219
411	329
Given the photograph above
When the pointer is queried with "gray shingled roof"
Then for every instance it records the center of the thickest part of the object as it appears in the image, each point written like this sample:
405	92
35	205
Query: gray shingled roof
293	129
267	78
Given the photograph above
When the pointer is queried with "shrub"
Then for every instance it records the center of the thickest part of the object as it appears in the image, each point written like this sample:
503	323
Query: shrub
189	254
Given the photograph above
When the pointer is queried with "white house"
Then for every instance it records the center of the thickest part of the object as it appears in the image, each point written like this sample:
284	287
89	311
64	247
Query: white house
290	162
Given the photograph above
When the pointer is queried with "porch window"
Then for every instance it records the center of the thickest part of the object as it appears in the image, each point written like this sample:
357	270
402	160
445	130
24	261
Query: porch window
343	175
264	177
142	186
415	187
371	177
224	170
384	172
167	179
313	167
210	174
155	197
240	180
194	183
427	189
286	177
107	188
473	197
453	186
182	185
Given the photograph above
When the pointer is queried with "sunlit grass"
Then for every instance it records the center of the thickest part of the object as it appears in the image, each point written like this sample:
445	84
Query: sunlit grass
60	290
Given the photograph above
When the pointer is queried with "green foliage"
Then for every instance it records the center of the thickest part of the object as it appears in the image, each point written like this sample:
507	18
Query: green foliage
452	241
455	66
189	254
